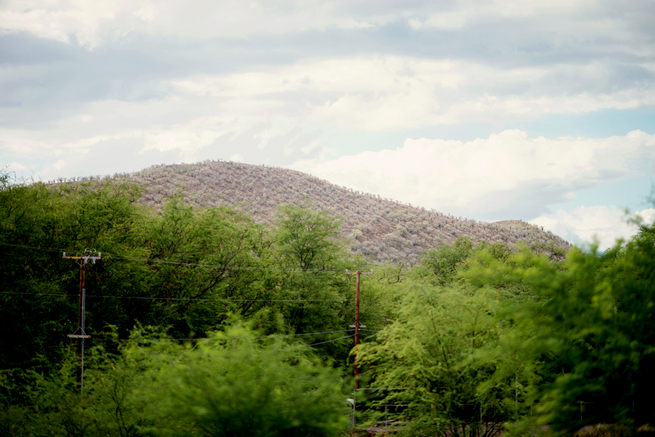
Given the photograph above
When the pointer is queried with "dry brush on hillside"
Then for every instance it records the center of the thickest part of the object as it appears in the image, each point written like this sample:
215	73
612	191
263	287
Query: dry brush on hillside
378	228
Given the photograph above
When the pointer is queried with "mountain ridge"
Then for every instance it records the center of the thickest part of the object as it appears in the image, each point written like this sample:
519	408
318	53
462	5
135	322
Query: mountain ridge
381	229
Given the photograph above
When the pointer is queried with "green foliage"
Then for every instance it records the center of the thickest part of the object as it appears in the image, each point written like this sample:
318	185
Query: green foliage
307	238
235	382
202	266
183	271
313	293
429	353
577	340
38	300
443	261
477	337
597	316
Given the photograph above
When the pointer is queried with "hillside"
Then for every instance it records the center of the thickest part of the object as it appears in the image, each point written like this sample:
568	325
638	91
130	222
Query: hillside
378	228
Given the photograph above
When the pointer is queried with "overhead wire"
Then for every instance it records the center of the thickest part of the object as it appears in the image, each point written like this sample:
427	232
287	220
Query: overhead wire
109	256
202	299
318	333
333	340
164	338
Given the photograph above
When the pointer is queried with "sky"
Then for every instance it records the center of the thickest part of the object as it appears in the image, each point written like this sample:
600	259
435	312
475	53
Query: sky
542	111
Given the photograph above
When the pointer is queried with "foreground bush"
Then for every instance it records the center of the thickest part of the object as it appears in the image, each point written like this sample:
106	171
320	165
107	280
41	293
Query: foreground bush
235	382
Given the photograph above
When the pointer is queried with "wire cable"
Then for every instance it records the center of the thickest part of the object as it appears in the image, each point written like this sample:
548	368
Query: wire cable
317	333
201	299
333	340
116	257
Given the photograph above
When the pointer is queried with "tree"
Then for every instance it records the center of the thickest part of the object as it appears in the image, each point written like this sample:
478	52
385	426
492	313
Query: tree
443	261
307	238
313	290
38	304
426	358
579	341
595	328
235	382
203	265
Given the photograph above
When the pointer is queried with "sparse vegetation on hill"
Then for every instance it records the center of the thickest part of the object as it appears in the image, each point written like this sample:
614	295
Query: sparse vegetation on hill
381	229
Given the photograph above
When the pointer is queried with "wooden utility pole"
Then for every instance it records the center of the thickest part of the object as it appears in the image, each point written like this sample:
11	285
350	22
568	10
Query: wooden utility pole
357	325
356	369
80	333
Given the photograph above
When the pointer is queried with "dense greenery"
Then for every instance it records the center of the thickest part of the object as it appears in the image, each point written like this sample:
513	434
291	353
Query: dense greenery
510	338
235	382
204	322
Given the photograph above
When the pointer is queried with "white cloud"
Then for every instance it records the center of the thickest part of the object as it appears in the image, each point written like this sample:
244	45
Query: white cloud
586	224
507	173
16	166
381	93
468	13
450	20
93	23
61	20
284	113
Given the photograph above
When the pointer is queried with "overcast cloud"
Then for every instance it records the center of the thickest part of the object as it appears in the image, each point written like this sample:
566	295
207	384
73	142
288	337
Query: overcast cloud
534	110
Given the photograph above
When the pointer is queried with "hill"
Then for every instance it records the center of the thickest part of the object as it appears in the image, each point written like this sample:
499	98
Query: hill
378	228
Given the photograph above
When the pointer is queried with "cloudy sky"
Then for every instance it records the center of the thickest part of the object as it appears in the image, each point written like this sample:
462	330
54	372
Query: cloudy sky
535	110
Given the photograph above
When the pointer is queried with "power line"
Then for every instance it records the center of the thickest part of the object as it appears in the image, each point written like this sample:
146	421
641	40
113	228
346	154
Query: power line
115	257
203	299
125	340
279	335
333	340
226	267
383	388
21	293
24	246
316	333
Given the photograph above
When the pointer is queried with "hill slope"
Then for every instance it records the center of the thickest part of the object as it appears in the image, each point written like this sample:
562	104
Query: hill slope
381	229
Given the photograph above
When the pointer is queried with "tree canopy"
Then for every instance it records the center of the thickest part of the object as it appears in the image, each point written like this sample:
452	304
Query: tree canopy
204	322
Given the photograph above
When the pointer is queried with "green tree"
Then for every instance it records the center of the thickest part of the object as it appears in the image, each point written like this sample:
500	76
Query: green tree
595	330
235	382
313	292
578	340
203	265
426	356
38	300
307	238
444	261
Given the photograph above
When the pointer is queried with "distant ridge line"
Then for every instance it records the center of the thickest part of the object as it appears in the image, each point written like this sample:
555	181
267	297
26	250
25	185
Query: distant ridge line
384	230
